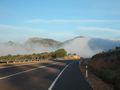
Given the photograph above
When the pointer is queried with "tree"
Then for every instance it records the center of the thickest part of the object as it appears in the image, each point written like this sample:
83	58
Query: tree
52	55
60	53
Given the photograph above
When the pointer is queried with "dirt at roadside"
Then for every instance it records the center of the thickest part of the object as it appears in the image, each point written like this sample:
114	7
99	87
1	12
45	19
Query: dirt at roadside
95	82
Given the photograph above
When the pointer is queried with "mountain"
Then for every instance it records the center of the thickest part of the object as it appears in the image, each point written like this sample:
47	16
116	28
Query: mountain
87	47
41	44
11	48
32	45
81	45
78	45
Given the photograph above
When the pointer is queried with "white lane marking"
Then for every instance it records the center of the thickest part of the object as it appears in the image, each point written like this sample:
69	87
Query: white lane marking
52	85
26	71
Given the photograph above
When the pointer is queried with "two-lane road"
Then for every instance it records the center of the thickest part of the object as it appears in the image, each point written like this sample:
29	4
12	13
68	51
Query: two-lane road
55	75
71	79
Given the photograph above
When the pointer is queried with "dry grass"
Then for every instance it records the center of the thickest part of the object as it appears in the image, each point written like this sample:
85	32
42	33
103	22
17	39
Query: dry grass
95	82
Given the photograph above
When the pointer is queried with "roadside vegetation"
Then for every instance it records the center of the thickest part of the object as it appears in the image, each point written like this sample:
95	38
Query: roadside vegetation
35	56
106	65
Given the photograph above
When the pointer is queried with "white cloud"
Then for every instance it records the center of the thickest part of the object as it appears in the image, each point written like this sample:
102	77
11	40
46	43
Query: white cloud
28	32
98	32
69	21
21	32
98	29
13	27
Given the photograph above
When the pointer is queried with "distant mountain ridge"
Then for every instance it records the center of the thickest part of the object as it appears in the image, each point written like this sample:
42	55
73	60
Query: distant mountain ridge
42	42
81	45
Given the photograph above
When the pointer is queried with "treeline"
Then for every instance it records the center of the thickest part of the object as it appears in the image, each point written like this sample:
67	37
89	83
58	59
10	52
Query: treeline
35	56
106	65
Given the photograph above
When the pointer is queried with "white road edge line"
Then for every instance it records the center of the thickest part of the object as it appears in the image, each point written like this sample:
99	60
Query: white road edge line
25	71
52	85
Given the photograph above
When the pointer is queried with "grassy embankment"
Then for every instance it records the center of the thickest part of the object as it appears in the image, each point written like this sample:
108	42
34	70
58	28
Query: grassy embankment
106	65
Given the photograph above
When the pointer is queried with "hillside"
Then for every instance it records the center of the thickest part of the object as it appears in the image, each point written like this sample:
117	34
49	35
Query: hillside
87	47
37	45
84	46
42	42
106	65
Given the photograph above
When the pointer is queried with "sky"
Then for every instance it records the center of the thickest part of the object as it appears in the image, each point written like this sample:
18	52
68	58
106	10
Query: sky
59	19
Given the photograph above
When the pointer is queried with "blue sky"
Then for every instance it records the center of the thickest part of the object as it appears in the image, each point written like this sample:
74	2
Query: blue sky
59	19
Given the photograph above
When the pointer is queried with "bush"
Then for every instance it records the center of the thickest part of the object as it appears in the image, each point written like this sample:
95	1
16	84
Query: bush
108	75
60	53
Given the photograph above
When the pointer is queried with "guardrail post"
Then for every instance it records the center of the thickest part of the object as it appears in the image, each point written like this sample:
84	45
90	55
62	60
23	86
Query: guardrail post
86	73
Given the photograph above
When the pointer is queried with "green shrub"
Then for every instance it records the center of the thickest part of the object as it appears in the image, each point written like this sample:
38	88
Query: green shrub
107	75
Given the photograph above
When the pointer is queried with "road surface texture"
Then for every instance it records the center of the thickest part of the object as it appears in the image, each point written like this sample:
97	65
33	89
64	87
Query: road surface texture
55	75
71	79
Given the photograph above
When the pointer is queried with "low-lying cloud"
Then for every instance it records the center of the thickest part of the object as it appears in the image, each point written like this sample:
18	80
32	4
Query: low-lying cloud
70	21
85	47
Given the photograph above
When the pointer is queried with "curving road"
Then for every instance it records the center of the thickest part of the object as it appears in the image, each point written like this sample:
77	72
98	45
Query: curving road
54	75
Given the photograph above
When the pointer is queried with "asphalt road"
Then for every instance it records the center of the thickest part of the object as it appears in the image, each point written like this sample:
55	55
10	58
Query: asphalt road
56	75
71	79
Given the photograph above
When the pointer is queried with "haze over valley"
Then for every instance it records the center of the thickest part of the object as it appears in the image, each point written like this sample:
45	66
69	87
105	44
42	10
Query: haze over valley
83	46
